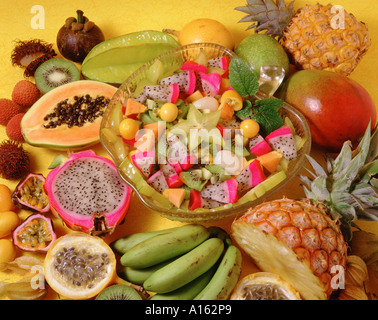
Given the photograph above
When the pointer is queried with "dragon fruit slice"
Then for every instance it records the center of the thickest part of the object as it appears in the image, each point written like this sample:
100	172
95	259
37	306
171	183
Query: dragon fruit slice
282	139
185	79
158	181
230	125
194	66
87	194
162	92
144	161
211	83
172	177
197	201
220	62
177	151
224	192
251	176
258	146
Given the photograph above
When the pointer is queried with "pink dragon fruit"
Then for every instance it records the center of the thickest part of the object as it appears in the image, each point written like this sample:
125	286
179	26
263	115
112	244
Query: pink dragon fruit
220	62
224	191
185	79
197	201
162	92
194	66
251	176
282	139
211	83
144	161
87	194
230	125
258	146
158	181
172	177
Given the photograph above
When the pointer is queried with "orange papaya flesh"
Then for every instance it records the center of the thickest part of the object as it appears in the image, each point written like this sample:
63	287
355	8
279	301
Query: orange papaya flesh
64	136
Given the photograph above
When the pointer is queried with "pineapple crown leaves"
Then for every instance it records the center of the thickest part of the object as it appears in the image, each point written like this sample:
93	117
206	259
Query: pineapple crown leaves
272	16
348	185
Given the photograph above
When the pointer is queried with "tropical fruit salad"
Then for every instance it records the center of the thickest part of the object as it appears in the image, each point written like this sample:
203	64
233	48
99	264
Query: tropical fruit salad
198	138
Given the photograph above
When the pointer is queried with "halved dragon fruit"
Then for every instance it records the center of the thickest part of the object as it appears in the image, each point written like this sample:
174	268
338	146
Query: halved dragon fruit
185	79
211	83
87	193
158	181
224	192
220	62
258	146
162	92
282	139
251	176
197	201
144	161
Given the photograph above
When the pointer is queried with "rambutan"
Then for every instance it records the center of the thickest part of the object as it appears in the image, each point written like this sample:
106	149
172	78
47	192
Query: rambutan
13	129
14	160
8	109
25	93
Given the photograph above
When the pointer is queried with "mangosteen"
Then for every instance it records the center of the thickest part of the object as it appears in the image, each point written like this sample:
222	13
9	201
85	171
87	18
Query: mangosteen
77	37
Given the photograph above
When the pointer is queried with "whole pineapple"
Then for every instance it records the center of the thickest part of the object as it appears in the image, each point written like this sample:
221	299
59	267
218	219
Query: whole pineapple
313	36
303	240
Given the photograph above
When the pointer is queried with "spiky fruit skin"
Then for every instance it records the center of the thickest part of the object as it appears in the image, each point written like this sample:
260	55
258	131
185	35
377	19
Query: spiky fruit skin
8	109
313	42
13	128
25	93
295	239
14	160
331	103
81	196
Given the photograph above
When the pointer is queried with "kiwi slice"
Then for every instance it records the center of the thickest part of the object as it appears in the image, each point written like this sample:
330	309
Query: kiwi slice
218	173
55	72
119	292
193	179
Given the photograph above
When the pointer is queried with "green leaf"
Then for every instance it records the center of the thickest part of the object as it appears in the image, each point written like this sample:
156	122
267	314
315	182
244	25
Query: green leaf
246	111
270	102
242	78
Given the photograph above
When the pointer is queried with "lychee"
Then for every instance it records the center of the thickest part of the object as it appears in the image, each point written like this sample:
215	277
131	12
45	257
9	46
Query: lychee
25	93
13	128
8	109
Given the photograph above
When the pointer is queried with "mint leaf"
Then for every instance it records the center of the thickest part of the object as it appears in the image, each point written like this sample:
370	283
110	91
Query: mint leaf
267	116
246	111
242	79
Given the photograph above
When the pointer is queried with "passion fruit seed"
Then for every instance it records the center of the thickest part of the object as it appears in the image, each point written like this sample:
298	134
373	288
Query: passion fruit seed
36	234
76	113
32	193
80	268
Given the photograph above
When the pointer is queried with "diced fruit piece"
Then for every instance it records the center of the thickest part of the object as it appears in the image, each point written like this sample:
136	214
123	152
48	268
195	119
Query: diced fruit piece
211	83
144	141
227	111
196	95
196	201
158	181
270	160
220	62
206	103
282	139
185	79
251	176
175	195
192	65
258	146
161	92
193	179
157	128
134	107
225	192
144	161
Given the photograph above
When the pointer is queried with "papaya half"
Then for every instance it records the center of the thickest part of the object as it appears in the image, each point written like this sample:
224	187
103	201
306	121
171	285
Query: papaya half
67	117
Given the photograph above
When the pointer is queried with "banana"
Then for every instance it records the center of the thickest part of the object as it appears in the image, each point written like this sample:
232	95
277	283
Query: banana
165	246
225	278
185	268
123	244
188	291
138	276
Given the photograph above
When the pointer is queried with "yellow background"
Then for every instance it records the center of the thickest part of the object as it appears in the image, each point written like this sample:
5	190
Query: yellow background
117	17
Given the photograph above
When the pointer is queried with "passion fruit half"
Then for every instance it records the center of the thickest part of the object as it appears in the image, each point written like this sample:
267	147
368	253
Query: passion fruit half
79	266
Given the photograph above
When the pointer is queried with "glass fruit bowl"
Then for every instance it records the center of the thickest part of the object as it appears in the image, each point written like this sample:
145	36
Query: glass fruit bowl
120	151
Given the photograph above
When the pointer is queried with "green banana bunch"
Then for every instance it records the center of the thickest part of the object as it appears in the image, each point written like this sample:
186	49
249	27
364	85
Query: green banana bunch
183	263
165	246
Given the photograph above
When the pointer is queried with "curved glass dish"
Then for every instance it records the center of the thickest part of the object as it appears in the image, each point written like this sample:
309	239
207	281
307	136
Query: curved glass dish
118	150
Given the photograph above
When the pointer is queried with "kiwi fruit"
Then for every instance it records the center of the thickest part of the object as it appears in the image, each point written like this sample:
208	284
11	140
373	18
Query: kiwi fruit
119	292
193	179
218	173
54	73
